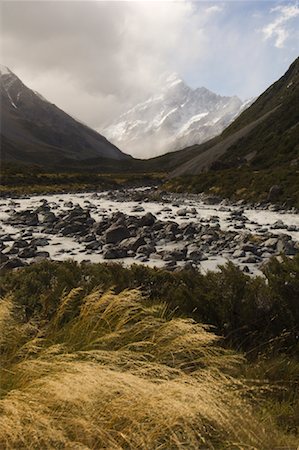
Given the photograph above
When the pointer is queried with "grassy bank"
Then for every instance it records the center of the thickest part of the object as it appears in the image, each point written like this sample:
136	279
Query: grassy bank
235	184
99	356
244	183
20	180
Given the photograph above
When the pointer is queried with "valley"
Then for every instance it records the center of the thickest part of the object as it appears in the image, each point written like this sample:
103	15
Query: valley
149	303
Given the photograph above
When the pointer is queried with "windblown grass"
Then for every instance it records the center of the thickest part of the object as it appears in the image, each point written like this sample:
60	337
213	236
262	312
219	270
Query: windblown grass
109	371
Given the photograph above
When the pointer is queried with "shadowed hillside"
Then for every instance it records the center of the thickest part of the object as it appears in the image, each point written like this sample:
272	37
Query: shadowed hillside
258	151
265	135
34	130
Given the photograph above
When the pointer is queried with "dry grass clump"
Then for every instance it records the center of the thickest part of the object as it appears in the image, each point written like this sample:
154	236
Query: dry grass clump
108	371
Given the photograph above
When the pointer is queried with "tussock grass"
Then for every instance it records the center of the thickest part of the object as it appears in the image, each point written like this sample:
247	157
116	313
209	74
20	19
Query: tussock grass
109	371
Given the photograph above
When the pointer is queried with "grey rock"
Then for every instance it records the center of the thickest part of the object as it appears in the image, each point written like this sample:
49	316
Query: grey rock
20	243
115	253
278	225
7	238
287	247
42	255
133	243
194	253
182	212
137	208
29	218
147	220
29	252
239	253
47	218
248	247
271	243
12	263
292	228
40	242
146	250
93	245
116	234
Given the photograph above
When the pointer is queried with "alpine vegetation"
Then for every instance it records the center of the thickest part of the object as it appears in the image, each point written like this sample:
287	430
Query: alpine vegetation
107	370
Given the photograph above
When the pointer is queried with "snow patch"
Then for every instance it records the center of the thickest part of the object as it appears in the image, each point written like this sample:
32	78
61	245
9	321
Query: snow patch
11	100
193	119
159	123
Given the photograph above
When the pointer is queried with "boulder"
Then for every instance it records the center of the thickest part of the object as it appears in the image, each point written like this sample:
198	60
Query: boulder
114	253
239	253
147	220
20	243
182	212
93	245
146	250
47	217
137	208
286	246
29	218
133	243
116	234
42	255
271	242
194	253
72	228
12	263
278	225
29	252
40	242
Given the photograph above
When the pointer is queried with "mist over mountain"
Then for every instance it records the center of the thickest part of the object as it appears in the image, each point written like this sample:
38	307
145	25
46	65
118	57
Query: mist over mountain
34	130
175	117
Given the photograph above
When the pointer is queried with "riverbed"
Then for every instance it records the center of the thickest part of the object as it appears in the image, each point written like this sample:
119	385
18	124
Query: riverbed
173	230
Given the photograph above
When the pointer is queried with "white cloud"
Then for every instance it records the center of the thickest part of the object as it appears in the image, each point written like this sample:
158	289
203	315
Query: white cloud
278	28
214	9
92	53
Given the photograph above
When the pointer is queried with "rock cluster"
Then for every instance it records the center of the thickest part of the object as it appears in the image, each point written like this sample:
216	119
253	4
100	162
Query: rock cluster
143	237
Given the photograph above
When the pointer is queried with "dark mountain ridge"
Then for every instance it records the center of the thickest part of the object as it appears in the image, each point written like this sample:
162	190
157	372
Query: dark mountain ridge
35	131
264	135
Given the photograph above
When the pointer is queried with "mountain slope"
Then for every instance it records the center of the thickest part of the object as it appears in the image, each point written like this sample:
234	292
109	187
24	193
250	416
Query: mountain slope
35	131
264	136
174	118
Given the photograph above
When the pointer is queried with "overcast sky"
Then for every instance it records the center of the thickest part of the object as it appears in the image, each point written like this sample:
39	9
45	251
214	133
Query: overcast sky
95	59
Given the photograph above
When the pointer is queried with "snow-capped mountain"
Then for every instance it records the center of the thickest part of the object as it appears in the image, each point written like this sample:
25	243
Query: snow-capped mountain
174	118
33	130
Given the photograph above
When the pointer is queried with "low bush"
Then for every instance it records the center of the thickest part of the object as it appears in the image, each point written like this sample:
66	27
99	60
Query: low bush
249	312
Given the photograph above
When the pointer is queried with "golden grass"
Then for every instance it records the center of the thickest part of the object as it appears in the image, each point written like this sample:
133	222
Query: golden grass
109	372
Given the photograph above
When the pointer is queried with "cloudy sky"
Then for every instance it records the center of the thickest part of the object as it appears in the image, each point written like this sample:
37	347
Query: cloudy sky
95	59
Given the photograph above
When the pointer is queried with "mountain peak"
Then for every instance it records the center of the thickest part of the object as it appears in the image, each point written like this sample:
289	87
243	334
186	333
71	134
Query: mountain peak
5	70
172	79
173	117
